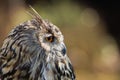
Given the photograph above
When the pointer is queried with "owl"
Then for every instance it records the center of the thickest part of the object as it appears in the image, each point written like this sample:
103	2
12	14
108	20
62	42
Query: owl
35	50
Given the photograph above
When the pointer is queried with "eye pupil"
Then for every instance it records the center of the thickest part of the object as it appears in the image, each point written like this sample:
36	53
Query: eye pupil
50	39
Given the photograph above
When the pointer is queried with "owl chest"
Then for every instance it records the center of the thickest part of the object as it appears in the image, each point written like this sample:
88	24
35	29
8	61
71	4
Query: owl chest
53	72
48	73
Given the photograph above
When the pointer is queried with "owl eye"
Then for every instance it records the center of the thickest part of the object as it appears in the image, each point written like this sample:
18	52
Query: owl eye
50	38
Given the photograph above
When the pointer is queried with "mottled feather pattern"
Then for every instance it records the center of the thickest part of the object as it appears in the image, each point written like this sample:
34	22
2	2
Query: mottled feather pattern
26	54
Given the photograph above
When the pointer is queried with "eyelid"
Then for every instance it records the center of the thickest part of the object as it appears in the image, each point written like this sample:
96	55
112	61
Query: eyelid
48	35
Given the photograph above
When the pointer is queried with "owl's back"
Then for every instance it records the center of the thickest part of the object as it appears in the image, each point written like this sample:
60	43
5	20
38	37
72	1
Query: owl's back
18	51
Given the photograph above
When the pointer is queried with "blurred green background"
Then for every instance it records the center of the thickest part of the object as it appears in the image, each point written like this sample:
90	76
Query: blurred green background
93	52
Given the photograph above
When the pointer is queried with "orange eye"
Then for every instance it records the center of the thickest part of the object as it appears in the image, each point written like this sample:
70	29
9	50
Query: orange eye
50	39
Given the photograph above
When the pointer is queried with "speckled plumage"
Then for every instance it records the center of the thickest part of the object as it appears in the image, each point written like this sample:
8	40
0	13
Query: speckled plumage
34	50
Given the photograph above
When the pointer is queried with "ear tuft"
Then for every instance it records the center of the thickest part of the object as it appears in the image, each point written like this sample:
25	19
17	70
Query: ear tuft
35	14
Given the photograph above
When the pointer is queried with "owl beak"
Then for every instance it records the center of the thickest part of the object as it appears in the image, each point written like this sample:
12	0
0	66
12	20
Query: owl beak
63	49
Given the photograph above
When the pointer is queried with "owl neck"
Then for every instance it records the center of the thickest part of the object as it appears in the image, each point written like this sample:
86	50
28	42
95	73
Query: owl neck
52	67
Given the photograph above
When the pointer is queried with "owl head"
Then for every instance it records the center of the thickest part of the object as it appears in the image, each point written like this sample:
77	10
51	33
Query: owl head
49	35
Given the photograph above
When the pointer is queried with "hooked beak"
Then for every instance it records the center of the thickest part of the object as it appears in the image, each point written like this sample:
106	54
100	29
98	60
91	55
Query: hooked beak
63	49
